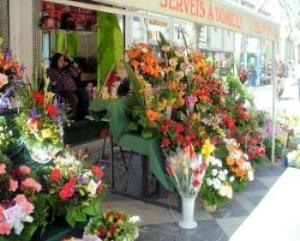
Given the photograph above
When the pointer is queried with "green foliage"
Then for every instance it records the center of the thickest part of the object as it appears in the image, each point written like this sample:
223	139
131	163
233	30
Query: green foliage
279	147
240	184
236	89
110	45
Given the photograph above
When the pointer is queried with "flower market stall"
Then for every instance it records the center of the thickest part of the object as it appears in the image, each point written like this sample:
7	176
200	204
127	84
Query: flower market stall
199	136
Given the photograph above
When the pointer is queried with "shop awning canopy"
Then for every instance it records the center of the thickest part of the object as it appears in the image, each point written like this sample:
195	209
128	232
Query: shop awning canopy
219	13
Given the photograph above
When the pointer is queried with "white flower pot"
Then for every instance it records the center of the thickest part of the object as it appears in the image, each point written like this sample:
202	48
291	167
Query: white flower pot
187	216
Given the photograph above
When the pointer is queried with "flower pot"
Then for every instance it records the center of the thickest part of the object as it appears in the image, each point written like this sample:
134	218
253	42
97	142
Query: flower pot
187	215
209	208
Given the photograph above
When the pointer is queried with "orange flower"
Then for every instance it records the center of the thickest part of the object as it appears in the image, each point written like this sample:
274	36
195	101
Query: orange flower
148	58
240	162
147	69
240	172
132	54
230	161
152	115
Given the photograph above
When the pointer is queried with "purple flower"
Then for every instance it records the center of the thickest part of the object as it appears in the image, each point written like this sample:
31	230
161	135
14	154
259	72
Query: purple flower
33	113
59	120
8	55
82	180
4	102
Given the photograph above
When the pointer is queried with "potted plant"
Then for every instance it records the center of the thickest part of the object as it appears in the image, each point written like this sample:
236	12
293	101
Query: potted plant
112	226
216	189
75	189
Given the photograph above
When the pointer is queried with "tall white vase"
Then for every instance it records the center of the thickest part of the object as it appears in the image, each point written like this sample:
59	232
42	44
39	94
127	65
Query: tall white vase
188	210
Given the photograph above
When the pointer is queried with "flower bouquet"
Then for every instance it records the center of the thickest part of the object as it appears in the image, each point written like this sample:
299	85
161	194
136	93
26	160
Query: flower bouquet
238	165
11	74
216	189
75	190
22	211
186	170
112	226
41	124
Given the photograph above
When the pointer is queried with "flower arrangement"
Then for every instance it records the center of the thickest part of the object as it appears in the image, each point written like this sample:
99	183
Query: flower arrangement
217	184
41	124
75	190
112	226
6	135
11	74
238	165
22	211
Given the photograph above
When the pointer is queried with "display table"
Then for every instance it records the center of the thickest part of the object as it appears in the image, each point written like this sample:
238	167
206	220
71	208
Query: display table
116	114
277	215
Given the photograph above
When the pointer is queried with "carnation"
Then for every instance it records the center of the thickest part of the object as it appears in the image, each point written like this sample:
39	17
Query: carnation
13	185
31	183
97	171
24	169
55	175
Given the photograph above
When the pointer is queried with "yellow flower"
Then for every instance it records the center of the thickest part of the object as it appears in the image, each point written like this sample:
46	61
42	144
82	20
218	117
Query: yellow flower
46	133
207	148
49	97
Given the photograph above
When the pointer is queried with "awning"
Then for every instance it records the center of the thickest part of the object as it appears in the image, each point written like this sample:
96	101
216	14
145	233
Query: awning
219	13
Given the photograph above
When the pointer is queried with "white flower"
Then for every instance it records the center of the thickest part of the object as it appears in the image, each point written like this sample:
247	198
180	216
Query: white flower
216	184
250	175
92	187
229	192
214	172
134	219
178	54
173	62
231	142
231	179
223	191
209	182
246	156
236	154
222	176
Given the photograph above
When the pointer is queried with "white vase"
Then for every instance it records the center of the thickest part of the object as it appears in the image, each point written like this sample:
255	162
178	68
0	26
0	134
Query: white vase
187	216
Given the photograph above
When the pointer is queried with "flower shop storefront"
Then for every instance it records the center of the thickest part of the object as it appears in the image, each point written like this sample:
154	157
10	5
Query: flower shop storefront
193	131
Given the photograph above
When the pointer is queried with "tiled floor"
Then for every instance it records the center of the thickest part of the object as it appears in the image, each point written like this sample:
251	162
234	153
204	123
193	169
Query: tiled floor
160	224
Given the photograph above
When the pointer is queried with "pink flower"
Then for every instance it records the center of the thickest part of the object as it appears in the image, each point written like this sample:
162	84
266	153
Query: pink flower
13	185
20	198
24	170
191	100
27	207
31	183
1	213
2	168
5	228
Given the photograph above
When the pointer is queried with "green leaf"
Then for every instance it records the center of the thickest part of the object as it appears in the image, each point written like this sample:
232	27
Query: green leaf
93	209
74	216
110	45
146	134
133	126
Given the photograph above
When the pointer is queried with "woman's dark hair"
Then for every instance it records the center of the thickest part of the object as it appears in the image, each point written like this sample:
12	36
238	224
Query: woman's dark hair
67	22
54	60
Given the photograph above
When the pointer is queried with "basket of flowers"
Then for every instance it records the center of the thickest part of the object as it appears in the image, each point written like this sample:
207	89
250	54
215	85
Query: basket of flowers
75	188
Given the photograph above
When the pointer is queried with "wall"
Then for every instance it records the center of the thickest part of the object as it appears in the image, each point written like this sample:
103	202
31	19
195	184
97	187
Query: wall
4	26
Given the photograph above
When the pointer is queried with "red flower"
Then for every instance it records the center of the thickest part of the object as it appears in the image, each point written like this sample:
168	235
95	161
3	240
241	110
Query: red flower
229	123
179	138
102	232
55	175
97	171
191	135
170	170
119	216
164	128
197	171
196	183
113	228
52	111
165	142
67	191
38	97
100	188
179	127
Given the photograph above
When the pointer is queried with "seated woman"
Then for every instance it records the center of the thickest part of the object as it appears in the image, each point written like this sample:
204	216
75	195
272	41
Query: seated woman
62	77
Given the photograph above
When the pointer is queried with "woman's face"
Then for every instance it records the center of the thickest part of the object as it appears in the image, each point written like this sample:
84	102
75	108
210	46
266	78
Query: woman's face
61	62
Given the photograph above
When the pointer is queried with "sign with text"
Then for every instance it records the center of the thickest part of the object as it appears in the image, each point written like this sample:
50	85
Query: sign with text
223	14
